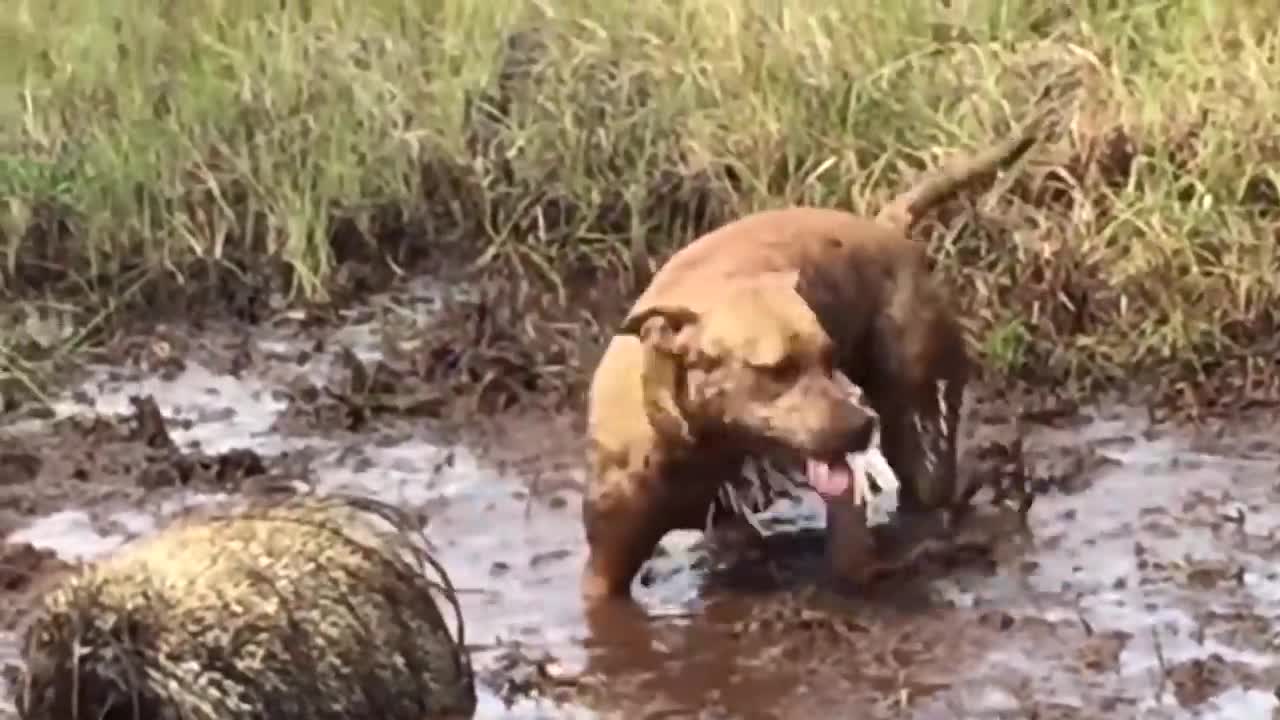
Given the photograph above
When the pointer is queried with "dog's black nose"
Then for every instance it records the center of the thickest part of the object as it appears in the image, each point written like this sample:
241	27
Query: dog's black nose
861	427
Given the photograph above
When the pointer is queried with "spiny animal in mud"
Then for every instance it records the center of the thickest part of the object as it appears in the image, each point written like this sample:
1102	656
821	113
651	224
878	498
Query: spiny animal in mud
307	608
751	348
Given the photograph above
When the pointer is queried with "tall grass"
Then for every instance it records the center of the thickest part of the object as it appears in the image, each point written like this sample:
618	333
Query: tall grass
570	140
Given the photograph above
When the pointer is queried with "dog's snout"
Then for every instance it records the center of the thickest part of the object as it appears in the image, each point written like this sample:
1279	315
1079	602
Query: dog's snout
860	426
847	428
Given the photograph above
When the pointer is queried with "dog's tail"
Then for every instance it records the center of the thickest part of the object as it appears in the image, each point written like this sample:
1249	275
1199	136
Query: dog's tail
903	210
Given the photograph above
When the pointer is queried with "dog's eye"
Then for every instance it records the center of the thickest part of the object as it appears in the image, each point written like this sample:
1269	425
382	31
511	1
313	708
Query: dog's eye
783	371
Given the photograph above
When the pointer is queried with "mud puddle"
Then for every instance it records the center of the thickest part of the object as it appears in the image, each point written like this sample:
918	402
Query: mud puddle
1148	587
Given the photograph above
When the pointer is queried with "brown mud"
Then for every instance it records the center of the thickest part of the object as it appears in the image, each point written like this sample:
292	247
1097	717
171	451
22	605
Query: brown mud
1145	583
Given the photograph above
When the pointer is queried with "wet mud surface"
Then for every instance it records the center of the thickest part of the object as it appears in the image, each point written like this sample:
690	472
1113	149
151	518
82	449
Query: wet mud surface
1145	583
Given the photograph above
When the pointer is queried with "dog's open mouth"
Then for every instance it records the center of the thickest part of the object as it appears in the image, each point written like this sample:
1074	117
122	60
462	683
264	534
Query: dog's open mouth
831	479
865	474
857	472
864	477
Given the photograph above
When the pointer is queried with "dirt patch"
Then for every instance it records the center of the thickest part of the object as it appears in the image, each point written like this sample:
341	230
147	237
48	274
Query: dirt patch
171	467
24	569
357	393
479	358
99	457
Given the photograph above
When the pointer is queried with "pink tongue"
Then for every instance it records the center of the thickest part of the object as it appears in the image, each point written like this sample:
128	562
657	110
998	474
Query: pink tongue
829	480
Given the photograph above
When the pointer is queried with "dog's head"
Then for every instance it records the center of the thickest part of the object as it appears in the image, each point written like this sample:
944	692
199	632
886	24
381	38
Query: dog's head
748	361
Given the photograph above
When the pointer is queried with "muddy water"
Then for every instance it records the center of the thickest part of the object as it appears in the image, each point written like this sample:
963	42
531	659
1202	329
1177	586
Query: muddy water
1148	586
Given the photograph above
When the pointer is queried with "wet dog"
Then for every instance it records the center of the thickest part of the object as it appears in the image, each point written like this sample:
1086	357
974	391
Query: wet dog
744	346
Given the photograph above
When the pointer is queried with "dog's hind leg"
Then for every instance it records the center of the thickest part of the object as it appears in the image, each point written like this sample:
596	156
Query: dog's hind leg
624	522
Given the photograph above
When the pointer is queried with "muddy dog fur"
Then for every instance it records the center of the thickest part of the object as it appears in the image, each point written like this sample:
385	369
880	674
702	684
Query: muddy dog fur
729	354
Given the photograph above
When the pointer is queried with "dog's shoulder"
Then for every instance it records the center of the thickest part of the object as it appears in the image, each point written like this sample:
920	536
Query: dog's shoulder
800	237
616	418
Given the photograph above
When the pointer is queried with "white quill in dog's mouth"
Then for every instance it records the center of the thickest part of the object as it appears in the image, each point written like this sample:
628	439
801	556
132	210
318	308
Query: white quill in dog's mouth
867	472
859	470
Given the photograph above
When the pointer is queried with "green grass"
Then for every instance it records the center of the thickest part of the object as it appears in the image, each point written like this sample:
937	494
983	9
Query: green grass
139	137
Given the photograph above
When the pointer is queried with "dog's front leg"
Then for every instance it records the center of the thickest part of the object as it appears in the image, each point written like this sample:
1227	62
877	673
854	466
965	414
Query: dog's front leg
625	516
850	545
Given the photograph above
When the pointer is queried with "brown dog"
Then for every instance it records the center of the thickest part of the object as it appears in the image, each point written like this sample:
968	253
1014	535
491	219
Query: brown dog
743	346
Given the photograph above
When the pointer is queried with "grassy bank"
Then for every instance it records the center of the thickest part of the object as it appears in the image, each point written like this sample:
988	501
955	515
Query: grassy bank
154	150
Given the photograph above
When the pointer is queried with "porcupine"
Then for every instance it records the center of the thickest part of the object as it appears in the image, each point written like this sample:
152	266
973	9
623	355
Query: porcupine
285	609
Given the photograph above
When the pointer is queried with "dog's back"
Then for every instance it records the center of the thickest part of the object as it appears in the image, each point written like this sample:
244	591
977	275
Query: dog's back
793	238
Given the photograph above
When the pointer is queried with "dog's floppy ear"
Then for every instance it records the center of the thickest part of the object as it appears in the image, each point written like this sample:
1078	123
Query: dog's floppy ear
666	333
664	328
